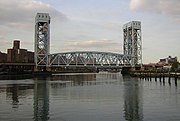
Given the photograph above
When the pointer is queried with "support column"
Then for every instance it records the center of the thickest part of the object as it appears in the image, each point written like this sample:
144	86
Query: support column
132	42
42	41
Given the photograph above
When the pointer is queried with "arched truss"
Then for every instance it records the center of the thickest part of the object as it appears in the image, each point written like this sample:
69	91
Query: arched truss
89	59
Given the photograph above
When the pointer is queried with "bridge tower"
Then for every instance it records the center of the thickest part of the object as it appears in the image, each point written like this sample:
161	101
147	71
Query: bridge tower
132	42
42	41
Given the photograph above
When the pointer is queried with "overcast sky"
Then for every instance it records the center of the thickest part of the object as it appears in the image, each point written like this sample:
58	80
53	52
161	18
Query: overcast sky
94	25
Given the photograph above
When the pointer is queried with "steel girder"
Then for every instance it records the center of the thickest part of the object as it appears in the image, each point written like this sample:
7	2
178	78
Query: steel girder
88	58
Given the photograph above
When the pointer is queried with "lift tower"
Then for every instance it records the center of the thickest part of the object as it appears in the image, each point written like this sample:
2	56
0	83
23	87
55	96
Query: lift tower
132	42
42	39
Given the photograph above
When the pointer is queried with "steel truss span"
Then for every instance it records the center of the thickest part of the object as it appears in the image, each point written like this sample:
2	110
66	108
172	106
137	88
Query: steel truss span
89	58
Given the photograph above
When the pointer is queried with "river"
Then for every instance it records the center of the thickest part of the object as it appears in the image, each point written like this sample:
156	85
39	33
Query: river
89	97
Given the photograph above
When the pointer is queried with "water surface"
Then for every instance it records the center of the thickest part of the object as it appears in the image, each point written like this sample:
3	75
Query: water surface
89	97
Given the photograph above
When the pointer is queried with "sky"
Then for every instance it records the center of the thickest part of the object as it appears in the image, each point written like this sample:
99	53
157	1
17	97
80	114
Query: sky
94	25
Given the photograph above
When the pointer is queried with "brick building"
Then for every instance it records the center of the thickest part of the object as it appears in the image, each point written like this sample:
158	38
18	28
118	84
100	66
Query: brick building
18	55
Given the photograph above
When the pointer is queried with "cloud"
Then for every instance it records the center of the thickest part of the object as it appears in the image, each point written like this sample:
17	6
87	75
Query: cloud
166	7
21	13
4	44
106	45
17	20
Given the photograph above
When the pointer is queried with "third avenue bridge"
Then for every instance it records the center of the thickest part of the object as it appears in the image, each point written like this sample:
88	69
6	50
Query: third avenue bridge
132	49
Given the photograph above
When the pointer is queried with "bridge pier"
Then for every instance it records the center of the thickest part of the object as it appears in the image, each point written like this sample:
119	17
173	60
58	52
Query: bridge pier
126	70
42	70
129	70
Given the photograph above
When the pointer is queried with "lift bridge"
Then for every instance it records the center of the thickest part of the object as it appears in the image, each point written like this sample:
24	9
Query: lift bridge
132	49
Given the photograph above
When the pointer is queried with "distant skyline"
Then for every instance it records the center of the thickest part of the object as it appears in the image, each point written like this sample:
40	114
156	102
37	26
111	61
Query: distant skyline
94	25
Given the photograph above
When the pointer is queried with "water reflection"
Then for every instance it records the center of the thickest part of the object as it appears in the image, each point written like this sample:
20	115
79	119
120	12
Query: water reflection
73	79
133	109
83	79
15	93
86	97
41	99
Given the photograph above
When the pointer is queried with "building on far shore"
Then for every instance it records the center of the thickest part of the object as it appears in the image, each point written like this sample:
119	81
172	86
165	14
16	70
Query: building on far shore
3	57
17	54
168	60
164	63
